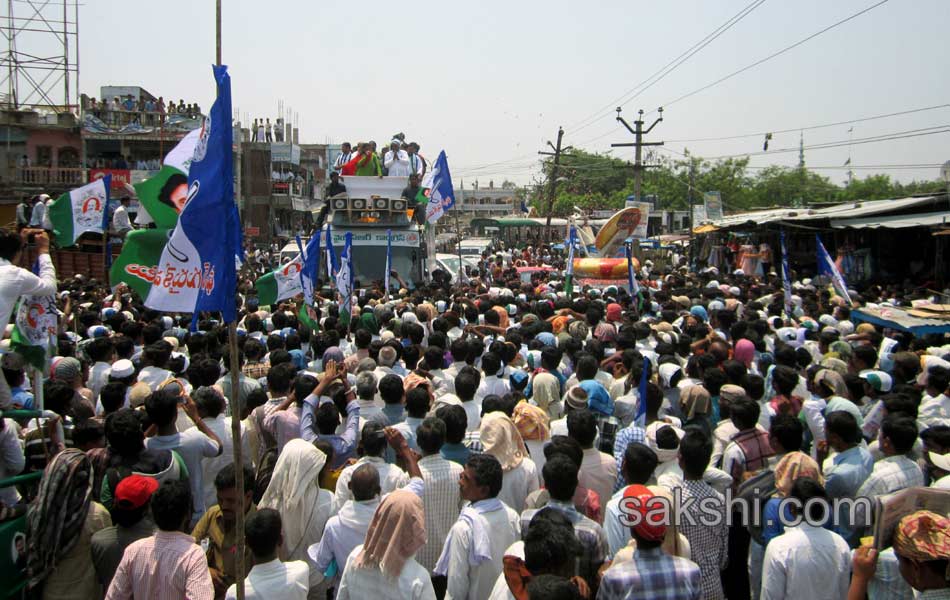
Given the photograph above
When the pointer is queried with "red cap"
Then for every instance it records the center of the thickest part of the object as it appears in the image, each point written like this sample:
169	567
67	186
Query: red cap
614	312
650	527
134	491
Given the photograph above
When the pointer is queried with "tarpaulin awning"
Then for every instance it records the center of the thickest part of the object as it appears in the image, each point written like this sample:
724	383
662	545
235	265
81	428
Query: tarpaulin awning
896	318
894	221
708	228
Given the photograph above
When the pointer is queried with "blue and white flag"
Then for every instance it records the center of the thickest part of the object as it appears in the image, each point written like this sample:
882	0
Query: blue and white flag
786	278
105	227
389	260
826	266
311	267
439	191
196	272
331	256
631	277
641	417
344	279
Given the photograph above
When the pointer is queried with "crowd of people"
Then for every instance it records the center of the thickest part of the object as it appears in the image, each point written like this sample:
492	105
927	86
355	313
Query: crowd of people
262	130
400	159
494	439
145	111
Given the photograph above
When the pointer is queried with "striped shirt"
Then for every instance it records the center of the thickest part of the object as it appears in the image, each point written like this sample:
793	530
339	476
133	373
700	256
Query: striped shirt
591	536
707	542
168	564
442	502
652	575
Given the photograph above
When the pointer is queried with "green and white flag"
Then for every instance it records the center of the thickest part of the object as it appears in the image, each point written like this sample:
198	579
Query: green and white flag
79	211
34	328
280	284
163	196
137	265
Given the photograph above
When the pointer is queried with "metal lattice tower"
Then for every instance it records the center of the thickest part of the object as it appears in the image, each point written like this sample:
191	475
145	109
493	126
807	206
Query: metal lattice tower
40	67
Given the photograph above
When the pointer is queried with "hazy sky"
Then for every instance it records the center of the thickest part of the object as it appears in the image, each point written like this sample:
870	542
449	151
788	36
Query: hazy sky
491	81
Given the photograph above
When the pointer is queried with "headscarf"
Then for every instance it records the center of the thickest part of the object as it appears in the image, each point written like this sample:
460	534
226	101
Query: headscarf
663	455
598	400
500	438
923	536
559	324
578	330
502	316
832	381
835	364
533	423
699	312
614	312
744	352
647	528
695	400
293	491
368	322
795	465
546	390
546	338
332	353
395	534
731	392
57	515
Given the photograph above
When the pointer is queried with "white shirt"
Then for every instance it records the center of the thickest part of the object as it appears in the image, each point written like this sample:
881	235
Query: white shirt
397	164
98	377
476	582
491	384
598	473
517	483
275	580
120	219
154	376
12	460
473	410
37	215
442	502
391	477
194	447
343	532
221	426
16	282
806	562
934	410
361	584
341	160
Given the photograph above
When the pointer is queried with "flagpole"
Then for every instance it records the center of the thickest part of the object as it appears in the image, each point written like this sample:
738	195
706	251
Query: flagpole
235	399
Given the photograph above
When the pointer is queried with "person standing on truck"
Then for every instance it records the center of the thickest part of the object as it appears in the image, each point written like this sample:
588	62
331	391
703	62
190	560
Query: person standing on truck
16	282
367	164
346	155
410	193
396	160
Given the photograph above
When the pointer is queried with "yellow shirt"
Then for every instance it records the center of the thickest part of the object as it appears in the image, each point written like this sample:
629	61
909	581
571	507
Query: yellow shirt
222	541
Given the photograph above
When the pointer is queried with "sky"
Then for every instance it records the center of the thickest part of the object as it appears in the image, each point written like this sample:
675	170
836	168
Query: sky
490	82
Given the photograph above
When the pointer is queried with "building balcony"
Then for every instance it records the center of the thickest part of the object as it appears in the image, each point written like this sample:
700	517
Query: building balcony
49	176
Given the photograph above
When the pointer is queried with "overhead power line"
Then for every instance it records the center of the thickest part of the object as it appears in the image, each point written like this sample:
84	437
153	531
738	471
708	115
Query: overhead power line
775	54
811	127
664	70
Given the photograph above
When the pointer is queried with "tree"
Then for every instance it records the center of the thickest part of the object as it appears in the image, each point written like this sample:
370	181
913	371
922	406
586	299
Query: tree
508	185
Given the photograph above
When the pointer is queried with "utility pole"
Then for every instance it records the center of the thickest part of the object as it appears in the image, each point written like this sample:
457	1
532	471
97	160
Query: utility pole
638	132
558	152
801	167
692	182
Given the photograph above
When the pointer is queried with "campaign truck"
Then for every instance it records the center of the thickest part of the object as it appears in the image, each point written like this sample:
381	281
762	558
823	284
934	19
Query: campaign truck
370	208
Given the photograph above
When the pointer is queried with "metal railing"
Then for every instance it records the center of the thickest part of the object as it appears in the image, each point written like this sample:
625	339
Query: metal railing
49	176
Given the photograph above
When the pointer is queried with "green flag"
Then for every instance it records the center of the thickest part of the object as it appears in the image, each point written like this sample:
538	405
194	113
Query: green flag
280	284
137	265
160	194
163	196
303	315
79	211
